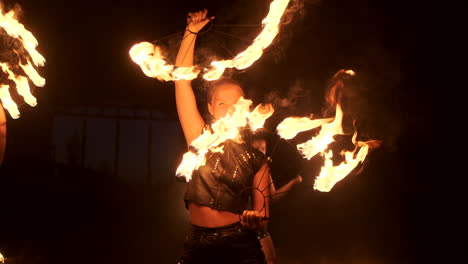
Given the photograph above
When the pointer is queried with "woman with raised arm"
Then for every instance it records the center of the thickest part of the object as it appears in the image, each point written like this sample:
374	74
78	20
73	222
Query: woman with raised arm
227	198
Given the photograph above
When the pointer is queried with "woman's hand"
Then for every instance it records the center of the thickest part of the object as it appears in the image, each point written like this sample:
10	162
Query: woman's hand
298	179
253	220
197	20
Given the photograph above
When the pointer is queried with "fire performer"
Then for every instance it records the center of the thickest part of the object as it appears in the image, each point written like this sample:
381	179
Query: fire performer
227	198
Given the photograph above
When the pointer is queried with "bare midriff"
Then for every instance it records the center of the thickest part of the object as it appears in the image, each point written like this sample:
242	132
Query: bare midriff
208	217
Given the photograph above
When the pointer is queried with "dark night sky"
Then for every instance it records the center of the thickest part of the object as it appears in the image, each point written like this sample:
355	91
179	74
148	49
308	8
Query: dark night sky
86	45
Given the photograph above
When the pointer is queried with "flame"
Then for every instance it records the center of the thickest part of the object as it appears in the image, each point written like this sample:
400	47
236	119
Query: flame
190	162
22	85
320	142
259	115
151	61
329	174
17	30
292	126
2	259
153	64
350	72
7	102
33	74
226	128
247	57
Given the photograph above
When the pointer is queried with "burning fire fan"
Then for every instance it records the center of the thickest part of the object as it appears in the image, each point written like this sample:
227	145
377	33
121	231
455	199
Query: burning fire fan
19	60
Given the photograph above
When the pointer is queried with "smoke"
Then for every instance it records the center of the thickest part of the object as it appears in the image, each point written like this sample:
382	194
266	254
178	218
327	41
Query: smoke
365	108
16	8
295	94
296	100
295	10
292	18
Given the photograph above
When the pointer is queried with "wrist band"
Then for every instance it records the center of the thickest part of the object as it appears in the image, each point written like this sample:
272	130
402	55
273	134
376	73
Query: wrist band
195	33
262	234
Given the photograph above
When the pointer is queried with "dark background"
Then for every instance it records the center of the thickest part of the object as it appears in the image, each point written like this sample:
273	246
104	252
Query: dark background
65	213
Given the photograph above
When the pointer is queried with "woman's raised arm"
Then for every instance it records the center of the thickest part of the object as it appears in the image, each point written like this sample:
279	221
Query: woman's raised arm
189	116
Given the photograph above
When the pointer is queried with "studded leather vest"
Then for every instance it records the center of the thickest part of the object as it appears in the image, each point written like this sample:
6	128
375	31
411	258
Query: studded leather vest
225	182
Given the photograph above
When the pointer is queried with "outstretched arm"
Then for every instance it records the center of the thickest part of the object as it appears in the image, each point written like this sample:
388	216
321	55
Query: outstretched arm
2	133
190	118
278	194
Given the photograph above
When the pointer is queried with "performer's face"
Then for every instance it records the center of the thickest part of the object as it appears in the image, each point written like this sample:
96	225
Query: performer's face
223	99
260	144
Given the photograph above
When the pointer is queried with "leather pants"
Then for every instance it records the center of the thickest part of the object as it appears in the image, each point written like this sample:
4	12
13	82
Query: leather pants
227	244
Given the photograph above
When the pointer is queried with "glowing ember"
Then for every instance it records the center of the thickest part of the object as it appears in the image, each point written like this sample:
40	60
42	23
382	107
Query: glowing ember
2	259
154	65
226	128
16	30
